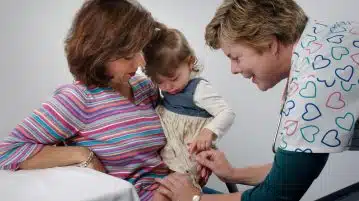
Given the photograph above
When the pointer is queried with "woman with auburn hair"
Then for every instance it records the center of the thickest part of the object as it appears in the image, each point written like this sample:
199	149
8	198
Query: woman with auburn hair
107	116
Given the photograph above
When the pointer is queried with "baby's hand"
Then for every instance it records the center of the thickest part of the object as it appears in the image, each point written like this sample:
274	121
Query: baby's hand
202	142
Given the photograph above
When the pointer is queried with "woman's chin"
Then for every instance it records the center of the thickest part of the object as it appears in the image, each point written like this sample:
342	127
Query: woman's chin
263	86
121	80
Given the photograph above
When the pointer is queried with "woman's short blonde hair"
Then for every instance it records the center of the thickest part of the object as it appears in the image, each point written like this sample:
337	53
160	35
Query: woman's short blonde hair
255	22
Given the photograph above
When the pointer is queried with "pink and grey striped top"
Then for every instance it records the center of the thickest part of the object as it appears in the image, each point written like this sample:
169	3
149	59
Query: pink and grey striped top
125	136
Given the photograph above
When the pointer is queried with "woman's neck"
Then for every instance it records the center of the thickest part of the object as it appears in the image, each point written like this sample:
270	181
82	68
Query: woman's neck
124	89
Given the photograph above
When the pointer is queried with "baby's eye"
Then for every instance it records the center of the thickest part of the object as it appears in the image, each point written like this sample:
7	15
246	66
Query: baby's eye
174	79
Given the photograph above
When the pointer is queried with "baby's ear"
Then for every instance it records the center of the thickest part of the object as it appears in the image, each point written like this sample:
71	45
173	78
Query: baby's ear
191	61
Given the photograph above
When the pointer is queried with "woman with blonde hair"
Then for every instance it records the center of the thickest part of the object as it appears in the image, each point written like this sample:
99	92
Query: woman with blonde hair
268	41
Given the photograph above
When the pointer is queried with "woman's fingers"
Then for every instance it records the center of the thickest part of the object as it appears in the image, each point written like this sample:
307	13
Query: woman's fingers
165	192
205	158
166	183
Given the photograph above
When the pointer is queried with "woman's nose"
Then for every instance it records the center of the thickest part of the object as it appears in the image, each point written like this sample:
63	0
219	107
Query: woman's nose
235	69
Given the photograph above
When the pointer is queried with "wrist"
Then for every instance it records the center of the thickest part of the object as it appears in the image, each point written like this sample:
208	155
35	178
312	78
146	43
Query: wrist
86	162
209	133
234	175
81	154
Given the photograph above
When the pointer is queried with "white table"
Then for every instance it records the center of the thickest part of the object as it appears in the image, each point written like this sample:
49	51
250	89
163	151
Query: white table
64	183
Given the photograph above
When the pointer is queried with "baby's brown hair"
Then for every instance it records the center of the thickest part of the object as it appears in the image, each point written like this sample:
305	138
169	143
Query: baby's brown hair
167	50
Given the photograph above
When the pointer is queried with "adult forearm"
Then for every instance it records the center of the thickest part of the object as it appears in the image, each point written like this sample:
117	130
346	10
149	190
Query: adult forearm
226	197
252	175
51	156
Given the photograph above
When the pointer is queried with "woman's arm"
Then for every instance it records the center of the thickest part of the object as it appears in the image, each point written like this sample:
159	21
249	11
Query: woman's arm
150	91
29	145
226	197
218	163
291	175
51	156
252	175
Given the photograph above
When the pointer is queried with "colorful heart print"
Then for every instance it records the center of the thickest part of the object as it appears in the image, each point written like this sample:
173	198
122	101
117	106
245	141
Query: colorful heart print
293	88
337	39
318	28
290	127
313	48
320	62
309	91
311	113
295	58
283	144
331	138
337	29
309	151
346	122
288	107
345	73
356	43
335	101
309	132
355	58
307	40
310	76
339	52
346	86
326	82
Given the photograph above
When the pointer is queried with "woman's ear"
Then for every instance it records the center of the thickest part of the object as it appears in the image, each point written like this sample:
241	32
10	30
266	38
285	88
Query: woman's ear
274	45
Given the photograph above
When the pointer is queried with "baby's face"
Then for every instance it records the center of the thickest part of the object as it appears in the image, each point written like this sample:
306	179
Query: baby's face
178	81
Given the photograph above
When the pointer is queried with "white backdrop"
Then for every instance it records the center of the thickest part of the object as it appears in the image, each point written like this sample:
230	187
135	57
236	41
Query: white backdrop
32	65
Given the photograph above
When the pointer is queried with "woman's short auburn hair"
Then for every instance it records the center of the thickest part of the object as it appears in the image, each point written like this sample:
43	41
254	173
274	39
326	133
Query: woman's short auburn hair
103	31
255	22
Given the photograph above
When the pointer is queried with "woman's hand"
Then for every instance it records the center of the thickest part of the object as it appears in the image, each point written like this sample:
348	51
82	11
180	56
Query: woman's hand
217	162
157	196
178	187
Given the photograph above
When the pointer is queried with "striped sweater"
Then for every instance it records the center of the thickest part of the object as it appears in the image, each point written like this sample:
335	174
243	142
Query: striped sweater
126	136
